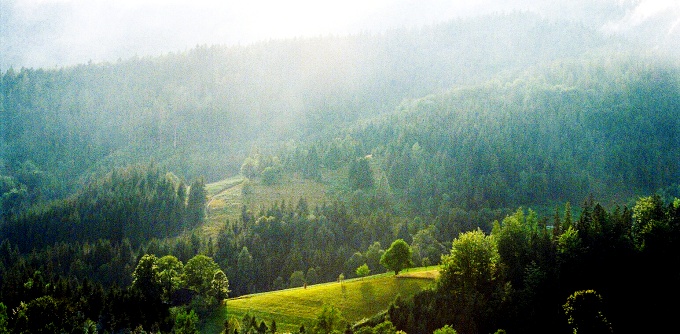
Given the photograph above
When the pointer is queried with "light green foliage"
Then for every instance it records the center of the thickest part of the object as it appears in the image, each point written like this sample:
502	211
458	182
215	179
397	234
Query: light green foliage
363	270
513	240
328	320
569	242
186	323
12	195
199	273
354	261
648	220
385	327
470	275
3	319
472	263
170	271
146	278
397	257
219	286
584	313
445	330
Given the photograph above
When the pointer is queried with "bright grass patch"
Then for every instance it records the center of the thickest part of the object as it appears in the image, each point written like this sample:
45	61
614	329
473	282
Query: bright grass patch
356	298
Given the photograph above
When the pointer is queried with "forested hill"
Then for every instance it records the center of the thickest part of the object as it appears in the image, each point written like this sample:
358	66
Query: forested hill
415	138
604	126
199	112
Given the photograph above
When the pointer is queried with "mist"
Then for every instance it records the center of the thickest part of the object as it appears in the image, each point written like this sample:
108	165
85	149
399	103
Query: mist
54	33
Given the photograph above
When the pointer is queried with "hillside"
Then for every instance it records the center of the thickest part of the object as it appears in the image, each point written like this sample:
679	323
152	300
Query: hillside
199	112
135	194
356	299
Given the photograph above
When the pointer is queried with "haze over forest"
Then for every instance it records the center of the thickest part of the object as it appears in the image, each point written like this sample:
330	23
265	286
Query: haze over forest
44	33
157	157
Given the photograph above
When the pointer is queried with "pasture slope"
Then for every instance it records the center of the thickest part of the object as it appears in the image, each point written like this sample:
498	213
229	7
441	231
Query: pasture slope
356	299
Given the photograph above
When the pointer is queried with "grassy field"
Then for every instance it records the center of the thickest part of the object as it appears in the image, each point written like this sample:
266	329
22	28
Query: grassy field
225	198
356	299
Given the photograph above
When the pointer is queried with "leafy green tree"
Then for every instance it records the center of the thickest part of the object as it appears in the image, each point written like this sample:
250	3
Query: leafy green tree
649	220
569	244
186	323
249	168
199	273
356	260
469	276
513	241
170	271
3	319
13	196
246	188
145	278
271	176
397	257
328	320
219	285
584	313
41	315
445	330
472	263
373	255
363	271
385	327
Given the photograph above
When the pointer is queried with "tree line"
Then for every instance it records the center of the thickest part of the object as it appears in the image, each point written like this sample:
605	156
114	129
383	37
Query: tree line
603	272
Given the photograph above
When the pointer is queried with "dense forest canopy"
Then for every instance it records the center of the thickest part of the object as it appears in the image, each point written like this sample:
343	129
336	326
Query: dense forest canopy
431	136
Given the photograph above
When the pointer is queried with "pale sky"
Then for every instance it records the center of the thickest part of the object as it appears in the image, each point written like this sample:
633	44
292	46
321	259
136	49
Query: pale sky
48	33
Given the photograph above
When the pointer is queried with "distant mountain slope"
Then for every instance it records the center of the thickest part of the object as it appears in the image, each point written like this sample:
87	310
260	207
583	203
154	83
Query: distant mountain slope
606	127
199	112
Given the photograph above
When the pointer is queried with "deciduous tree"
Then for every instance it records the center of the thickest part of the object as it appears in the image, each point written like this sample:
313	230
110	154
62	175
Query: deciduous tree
397	257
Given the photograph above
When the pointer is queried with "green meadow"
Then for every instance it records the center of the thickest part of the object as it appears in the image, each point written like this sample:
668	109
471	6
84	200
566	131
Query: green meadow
356	299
